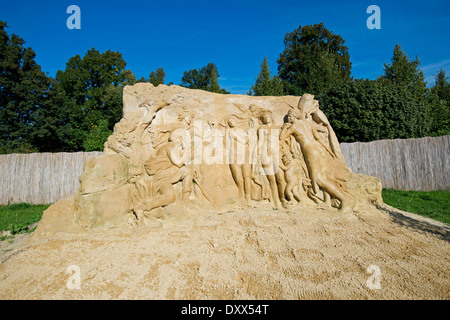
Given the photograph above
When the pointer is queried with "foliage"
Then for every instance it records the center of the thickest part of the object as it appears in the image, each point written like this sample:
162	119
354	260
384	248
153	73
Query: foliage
439	115
396	105
77	110
97	137
94	84
51	130
439	109
405	72
313	59
205	79
265	85
441	86
431	204
25	93
157	77
365	110
38	113
17	217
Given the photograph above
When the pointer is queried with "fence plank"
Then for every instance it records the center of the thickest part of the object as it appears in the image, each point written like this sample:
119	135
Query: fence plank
420	164
40	177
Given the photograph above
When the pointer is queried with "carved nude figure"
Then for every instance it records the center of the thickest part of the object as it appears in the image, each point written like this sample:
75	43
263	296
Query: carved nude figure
249	120
325	170
240	170
292	176
324	133
269	155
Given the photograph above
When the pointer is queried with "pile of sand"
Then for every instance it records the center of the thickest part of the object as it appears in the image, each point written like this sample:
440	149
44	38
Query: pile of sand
253	253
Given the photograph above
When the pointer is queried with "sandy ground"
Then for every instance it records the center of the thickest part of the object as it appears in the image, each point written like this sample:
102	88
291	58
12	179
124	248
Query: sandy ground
253	253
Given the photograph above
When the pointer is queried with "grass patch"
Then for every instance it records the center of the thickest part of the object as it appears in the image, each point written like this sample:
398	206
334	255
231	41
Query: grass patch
430	204
17	217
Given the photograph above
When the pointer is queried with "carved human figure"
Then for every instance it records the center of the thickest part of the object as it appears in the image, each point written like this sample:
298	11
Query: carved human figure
325	170
269	154
323	132
249	117
292	176
169	163
127	137
128	131
250	121
177	130
254	114
240	166
167	167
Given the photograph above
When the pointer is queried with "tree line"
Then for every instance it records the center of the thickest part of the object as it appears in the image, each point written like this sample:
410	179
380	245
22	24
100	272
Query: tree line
77	109
397	104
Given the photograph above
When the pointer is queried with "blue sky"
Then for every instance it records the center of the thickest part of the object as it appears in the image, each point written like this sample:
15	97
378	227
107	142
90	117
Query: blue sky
235	35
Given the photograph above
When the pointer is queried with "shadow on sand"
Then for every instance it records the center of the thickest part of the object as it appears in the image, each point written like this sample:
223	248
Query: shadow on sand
417	223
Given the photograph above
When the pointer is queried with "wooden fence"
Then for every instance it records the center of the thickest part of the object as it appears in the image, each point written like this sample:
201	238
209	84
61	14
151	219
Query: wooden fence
406	164
40	177
409	164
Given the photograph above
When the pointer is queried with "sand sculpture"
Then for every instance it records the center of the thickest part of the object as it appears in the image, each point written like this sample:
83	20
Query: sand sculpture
178	150
211	196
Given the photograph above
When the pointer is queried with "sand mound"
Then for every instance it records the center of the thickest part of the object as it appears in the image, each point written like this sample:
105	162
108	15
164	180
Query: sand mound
253	253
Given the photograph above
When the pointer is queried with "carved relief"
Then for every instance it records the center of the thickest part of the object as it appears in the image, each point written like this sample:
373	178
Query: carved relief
191	150
326	167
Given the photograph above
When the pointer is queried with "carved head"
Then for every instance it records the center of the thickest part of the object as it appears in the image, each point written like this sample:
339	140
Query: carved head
266	117
292	115
307	105
232	121
254	109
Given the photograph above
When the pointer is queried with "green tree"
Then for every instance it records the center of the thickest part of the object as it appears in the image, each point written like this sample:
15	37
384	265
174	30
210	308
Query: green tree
205	79
142	80
157	77
405	72
29	100
441	86
213	85
439	109
314	59
51	131
367	110
95	84
265	85
97	136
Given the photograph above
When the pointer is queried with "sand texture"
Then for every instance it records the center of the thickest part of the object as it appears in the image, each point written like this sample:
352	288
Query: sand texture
249	253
